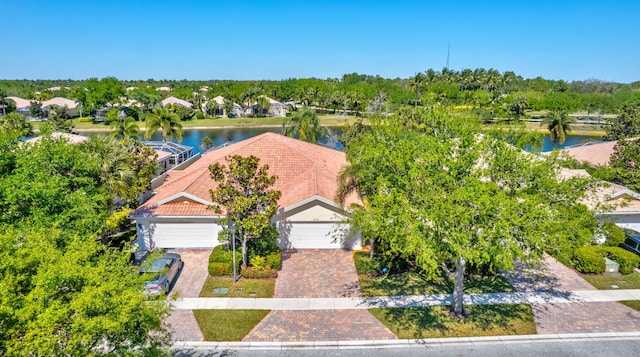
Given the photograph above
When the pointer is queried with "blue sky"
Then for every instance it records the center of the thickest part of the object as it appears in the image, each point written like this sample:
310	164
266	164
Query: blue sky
570	40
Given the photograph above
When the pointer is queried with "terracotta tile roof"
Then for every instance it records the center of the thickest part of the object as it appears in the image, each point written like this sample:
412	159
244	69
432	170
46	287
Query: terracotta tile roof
304	170
174	100
21	103
592	153
60	102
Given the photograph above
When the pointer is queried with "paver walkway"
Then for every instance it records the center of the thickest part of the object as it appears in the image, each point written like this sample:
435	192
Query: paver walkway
182	323
318	274
574	317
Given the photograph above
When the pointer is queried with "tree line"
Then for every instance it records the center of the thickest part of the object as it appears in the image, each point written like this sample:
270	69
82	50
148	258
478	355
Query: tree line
488	91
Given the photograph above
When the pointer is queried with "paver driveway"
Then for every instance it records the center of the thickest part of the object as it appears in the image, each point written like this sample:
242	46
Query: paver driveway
573	317
318	273
182	322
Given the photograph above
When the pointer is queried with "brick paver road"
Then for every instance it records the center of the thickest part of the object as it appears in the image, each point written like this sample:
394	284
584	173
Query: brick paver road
318	273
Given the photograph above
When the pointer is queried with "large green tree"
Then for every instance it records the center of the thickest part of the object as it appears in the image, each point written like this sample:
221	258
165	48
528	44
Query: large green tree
626	124
304	124
63	292
245	194
625	163
442	195
15	122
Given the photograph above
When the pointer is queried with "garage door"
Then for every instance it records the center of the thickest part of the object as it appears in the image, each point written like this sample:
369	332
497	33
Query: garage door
184	235
316	236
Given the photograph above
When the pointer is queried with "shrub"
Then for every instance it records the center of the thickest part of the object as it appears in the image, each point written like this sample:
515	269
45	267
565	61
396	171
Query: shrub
614	235
220	254
253	273
118	220
588	260
366	265
199	115
258	262
628	261
85	119
220	268
274	260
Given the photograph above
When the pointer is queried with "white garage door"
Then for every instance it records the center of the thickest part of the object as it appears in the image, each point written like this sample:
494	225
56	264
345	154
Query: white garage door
317	236
184	235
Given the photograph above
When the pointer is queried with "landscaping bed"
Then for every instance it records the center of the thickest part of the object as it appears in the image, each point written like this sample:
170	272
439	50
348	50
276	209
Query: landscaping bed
435	321
243	288
227	325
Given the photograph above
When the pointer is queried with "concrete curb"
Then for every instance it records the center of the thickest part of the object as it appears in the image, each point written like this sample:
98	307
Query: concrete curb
414	343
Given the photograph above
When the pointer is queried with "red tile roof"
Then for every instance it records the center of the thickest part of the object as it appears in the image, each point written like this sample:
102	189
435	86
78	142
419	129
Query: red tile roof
304	170
593	153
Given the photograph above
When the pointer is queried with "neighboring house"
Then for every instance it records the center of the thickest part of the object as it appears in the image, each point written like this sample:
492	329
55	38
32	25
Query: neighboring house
22	105
621	204
174	100
308	217
595	153
163	89
72	106
172	155
275	109
70	138
236	110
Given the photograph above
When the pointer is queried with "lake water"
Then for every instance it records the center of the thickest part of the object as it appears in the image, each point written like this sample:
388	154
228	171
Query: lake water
220	136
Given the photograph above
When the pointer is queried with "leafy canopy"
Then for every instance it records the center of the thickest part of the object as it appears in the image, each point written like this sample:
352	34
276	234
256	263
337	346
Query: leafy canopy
439	191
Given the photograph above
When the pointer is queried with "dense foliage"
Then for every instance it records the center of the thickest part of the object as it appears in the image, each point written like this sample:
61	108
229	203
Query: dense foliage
63	291
490	92
438	191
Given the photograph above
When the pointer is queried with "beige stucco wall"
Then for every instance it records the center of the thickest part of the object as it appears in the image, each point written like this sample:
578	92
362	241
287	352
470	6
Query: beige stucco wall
315	212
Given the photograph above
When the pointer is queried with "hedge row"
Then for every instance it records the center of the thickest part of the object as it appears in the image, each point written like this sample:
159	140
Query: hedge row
587	260
590	259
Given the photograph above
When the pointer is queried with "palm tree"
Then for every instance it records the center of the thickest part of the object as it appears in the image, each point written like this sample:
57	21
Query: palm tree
124	128
559	124
165	120
115	173
305	124
416	84
263	104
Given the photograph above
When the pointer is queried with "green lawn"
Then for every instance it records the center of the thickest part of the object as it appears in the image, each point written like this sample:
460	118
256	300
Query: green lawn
413	283
243	288
604	282
227	325
435	321
328	119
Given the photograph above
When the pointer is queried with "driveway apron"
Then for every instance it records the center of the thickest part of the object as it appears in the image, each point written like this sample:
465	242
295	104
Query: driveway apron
318	273
182	323
573	317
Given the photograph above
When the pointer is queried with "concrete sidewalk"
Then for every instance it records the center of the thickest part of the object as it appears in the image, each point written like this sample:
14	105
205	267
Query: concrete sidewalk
537	297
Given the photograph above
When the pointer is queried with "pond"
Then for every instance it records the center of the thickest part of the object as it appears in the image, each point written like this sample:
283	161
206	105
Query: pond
220	136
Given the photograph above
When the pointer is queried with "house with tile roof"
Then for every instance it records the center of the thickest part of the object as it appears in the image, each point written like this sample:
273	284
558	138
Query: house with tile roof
275	109
174	100
594	153
72	106
177	216
236	109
